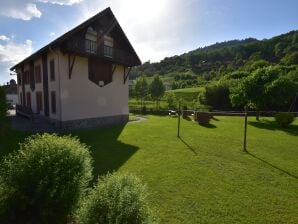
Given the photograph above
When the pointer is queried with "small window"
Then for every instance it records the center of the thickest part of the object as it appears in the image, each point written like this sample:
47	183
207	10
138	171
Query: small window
38	102
53	102
37	73
26	77
28	100
52	70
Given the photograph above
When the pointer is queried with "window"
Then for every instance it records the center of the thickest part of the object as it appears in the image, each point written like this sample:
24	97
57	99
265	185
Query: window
28	100
52	70
108	46
37	73
53	102
38	102
26	77
19	78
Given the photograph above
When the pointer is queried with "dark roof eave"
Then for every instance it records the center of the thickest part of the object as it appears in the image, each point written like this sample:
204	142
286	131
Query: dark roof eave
63	37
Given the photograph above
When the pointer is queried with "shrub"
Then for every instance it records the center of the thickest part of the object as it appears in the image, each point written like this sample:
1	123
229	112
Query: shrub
117	198
284	119
44	180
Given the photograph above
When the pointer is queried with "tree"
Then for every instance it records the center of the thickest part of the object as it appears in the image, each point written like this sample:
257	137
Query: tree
252	91
171	100
141	89
281	91
3	109
217	96
157	90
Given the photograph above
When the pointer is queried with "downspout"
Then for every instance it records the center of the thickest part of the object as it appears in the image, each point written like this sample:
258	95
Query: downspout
59	86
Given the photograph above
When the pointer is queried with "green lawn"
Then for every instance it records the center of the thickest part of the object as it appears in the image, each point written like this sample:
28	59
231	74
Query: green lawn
188	94
204	177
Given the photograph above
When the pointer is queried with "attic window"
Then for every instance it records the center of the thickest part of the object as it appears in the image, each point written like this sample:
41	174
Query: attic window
90	40
108	46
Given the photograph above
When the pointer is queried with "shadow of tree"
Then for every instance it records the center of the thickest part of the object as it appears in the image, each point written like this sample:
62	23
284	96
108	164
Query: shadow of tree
271	125
108	153
272	165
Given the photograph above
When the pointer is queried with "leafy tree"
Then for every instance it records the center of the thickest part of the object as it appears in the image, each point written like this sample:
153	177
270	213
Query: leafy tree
281	92
217	96
3	110
291	58
141	89
171	100
157	90
252	91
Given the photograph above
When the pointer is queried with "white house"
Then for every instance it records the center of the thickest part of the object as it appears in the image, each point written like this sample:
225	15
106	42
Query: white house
81	78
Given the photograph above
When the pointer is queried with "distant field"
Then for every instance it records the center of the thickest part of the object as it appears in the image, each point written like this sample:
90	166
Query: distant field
188	95
204	177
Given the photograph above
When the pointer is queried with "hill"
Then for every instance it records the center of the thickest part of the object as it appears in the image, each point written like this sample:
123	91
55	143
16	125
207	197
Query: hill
212	62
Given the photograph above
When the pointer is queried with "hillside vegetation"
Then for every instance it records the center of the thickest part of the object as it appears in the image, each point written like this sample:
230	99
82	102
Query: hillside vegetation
223	67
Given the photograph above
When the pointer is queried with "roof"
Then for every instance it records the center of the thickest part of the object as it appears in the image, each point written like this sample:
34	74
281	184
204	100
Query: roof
68	34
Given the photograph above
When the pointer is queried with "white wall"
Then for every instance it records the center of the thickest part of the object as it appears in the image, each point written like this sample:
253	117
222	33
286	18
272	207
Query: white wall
81	98
12	99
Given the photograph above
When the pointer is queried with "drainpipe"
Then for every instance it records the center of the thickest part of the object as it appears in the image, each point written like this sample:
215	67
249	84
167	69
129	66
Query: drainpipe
59	85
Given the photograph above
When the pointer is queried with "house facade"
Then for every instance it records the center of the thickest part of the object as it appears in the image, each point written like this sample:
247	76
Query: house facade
81	78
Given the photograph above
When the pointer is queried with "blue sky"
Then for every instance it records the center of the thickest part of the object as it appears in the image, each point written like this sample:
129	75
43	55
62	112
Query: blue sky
156	28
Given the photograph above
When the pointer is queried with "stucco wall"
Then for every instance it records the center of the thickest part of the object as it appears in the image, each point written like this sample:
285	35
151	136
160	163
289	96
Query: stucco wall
82	99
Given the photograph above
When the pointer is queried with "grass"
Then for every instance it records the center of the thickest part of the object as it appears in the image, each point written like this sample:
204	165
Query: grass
204	176
188	94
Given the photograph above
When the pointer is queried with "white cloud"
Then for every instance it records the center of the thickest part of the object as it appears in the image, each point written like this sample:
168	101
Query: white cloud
61	2
12	53
52	34
19	10
4	38
27	9
154	27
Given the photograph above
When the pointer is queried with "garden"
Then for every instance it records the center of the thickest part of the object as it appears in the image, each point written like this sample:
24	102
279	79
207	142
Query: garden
202	177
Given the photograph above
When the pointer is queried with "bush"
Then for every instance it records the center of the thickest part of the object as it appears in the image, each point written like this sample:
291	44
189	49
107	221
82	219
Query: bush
117	198
44	180
284	119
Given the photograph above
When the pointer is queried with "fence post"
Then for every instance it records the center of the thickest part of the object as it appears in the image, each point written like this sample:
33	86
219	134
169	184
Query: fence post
179	112
245	130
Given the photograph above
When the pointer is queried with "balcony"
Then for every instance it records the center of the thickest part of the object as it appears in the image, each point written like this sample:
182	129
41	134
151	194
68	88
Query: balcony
85	47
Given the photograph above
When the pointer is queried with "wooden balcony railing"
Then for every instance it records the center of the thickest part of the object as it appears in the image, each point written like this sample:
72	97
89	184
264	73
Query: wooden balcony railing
89	47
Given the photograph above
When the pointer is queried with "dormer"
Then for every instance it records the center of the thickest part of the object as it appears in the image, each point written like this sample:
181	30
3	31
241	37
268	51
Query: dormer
91	40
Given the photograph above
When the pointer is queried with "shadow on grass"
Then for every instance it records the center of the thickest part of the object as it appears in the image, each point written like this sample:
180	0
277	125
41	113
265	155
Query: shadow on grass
271	125
208	125
272	165
108	153
188	146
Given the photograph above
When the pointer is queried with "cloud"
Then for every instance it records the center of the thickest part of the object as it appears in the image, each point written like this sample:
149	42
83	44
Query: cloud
27	9
154	27
61	2
4	38
52	34
12	53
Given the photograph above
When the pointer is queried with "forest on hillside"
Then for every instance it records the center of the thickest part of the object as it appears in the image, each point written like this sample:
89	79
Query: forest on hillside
234	72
